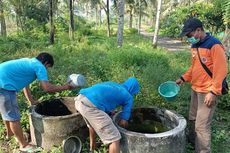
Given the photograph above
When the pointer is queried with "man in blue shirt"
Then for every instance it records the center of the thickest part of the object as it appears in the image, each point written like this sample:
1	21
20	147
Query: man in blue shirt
16	75
96	102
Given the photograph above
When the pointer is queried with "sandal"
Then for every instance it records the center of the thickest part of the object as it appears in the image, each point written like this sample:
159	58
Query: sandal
32	149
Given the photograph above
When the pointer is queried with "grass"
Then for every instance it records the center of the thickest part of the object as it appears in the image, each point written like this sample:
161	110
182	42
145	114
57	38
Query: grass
98	58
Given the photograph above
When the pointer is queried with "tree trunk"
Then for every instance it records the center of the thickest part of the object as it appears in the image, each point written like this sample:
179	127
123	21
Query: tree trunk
2	20
17	23
157	24
131	19
139	19
108	21
17	11
51	21
100	17
96	16
71	23
226	41
152	20
121	9
85	9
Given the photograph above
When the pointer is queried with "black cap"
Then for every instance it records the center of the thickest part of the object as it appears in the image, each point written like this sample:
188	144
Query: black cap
190	25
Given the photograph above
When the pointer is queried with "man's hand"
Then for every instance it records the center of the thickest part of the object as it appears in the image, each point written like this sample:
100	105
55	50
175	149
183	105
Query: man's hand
70	87
35	102
123	123
210	99
179	82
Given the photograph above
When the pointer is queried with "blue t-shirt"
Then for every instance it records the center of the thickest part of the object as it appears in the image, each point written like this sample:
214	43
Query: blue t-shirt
19	73
109	95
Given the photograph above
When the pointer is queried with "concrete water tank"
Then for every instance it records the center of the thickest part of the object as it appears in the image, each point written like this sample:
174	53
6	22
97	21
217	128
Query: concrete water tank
169	137
55	120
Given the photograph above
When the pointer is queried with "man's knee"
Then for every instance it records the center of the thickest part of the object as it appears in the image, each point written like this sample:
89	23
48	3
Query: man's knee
202	127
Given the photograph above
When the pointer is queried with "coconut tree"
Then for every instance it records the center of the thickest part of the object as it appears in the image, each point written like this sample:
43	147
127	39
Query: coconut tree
18	8
157	23
102	5
105	7
121	10
51	22
151	9
71	23
136	7
2	20
142	4
130	10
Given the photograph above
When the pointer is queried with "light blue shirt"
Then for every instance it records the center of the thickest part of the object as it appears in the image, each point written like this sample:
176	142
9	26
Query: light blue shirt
19	73
109	95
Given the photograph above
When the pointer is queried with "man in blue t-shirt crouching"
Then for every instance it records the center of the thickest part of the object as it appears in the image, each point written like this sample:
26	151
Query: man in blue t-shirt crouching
96	102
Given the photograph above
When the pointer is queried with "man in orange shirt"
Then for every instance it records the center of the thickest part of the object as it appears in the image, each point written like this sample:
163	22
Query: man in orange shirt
205	88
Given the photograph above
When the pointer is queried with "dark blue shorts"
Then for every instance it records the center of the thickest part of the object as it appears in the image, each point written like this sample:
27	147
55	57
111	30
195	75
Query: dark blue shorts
8	105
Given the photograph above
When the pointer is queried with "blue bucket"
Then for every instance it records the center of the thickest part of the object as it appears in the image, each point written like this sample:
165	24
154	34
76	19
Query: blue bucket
169	90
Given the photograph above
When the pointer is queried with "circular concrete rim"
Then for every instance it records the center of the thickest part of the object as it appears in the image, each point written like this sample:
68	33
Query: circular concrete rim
35	114
178	129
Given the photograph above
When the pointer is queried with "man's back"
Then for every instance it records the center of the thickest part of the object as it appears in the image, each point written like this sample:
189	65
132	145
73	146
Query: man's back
107	96
16	74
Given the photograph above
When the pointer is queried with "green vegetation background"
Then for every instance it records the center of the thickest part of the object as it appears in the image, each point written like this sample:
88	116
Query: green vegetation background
97	57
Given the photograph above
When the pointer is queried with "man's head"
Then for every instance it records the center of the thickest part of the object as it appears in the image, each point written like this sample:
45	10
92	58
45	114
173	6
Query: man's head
132	85
46	59
193	29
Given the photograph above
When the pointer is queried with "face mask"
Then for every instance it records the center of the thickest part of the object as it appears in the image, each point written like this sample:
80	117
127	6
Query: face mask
193	40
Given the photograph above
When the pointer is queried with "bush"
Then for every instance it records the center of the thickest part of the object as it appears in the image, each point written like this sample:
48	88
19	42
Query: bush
173	23
130	31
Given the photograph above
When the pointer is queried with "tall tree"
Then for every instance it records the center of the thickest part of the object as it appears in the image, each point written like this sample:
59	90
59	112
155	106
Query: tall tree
51	21
130	10
157	23
152	7
139	18
105	7
135	7
121	9
108	20
71	23
140	7
2	20
98	18
107	12
18	7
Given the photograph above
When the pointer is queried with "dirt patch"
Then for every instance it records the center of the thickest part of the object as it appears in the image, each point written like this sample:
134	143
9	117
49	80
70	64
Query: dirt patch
168	43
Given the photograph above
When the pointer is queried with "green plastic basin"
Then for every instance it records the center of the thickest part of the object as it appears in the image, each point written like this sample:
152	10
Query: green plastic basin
169	90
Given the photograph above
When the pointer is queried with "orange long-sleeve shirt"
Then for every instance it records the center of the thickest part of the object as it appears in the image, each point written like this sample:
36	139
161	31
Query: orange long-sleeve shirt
212	54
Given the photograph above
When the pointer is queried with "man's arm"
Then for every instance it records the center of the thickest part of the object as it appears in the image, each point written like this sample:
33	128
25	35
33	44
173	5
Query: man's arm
48	87
126	108
219	68
187	76
219	73
27	93
126	112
